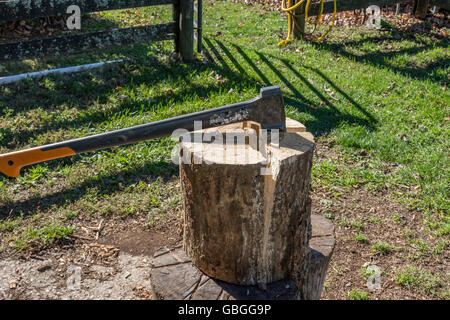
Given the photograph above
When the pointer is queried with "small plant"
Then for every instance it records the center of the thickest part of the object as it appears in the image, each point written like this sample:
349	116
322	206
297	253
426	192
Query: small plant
69	214
414	277
358	225
397	218
359	237
440	247
409	234
382	247
419	244
8	225
367	272
344	223
375	220
337	269
356	294
45	236
326	203
329	216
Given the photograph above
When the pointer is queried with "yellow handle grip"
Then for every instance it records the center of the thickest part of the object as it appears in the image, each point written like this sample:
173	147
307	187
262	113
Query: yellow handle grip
11	163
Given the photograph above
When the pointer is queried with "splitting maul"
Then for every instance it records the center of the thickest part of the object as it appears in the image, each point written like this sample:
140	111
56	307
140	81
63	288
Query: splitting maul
267	109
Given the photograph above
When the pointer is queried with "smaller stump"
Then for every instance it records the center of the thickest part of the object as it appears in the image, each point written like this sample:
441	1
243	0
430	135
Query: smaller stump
174	277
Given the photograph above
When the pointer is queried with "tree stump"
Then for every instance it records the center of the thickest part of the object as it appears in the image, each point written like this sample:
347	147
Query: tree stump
247	207
248	230
174	277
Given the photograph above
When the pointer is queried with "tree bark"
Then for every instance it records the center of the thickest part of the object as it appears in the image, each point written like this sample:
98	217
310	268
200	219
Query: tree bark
299	22
421	8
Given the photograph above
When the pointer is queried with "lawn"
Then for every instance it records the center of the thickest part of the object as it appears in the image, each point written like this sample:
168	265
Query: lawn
376	101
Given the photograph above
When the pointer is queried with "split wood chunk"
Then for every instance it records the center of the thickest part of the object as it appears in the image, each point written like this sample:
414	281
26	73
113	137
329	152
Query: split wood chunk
174	277
294	126
246	205
321	245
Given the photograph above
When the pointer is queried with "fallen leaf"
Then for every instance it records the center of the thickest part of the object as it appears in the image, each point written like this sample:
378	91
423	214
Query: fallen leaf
13	284
402	136
44	268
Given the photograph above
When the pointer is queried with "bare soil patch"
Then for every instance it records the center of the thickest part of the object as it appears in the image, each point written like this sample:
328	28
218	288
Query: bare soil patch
365	218
114	266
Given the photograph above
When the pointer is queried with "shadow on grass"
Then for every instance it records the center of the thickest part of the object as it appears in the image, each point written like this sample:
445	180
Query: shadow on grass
222	61
382	58
107	184
82	91
149	77
327	117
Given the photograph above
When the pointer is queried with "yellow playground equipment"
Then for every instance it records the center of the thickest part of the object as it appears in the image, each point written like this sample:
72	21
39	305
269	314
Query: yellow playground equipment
291	17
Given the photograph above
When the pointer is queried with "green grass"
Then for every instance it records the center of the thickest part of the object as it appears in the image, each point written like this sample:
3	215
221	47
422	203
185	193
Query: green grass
360	89
381	247
359	237
356	294
412	277
366	273
44	236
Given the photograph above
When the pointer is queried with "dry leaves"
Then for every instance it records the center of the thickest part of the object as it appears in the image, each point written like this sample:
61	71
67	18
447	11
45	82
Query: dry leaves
403	18
100	253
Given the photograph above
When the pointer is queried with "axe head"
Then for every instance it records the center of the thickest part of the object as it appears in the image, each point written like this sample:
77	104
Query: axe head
268	109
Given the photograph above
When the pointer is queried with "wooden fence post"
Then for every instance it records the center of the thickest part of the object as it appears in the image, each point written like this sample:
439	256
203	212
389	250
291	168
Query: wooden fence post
176	20
421	8
186	30
299	22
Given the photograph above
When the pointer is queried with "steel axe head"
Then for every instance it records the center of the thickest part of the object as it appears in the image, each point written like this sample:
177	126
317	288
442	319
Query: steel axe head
268	109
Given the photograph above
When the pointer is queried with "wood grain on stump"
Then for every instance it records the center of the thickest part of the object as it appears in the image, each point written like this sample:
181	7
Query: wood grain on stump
247	206
174	277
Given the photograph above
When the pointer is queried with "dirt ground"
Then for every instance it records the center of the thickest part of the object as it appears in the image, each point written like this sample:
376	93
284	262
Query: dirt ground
114	266
115	262
380	218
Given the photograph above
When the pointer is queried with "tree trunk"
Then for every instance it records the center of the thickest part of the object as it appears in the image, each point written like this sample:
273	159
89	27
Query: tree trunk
421	8
299	21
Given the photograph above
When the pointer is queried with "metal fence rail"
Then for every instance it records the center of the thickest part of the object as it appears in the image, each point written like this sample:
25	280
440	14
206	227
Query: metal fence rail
198	9
345	5
181	29
27	9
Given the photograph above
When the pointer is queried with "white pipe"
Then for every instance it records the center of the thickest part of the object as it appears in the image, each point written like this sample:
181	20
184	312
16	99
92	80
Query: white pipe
19	77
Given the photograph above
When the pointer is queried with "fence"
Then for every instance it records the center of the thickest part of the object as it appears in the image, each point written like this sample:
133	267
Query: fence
345	5
181	29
